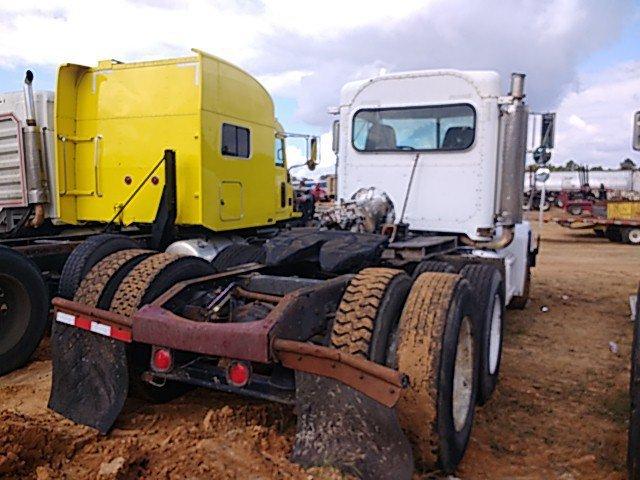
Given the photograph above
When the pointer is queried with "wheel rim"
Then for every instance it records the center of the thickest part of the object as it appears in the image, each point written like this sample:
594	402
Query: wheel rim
463	375
14	311
634	236
495	335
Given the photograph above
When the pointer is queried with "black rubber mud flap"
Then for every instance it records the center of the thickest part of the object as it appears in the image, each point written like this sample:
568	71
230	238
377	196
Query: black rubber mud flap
343	428
90	377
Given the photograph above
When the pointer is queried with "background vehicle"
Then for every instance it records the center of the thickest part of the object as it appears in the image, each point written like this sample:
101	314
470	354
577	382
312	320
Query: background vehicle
333	321
619	221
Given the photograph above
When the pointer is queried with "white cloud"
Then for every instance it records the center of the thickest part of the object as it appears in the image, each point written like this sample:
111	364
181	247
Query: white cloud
546	39
595	119
307	50
282	83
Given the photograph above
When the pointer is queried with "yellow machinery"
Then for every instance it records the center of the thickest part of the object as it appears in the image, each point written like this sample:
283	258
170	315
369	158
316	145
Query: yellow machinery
113	122
623	210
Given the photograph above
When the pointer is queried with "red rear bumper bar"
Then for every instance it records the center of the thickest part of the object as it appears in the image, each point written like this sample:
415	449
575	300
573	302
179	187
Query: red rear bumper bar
249	341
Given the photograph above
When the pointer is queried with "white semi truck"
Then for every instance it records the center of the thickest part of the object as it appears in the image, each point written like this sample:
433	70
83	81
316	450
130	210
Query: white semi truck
447	151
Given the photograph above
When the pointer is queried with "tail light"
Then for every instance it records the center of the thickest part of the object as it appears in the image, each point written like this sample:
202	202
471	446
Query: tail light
161	359
238	373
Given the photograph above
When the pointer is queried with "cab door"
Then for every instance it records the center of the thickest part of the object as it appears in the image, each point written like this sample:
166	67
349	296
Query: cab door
283	191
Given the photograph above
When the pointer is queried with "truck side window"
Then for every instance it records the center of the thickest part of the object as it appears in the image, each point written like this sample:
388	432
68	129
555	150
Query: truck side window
279	153
235	141
430	128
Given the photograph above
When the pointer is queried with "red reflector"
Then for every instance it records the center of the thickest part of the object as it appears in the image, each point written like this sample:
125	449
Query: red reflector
238	374
161	360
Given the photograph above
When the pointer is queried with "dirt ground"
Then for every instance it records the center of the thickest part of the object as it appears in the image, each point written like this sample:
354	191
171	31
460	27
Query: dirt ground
560	410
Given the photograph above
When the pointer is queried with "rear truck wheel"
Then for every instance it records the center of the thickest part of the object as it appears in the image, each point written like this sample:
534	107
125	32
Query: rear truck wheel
633	444
338	425
436	348
146	282
85	256
369	310
432	266
613	234
238	254
631	235
24	309
489	291
92	373
89	375
599	232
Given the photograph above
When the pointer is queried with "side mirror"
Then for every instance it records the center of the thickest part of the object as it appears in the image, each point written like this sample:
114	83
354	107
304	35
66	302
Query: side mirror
541	155
542	175
312	161
548	129
636	131
335	133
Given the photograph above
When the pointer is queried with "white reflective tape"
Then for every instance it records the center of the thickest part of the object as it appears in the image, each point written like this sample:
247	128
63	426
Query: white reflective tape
101	329
65	318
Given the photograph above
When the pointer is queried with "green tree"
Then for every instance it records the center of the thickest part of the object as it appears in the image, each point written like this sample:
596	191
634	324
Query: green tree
571	165
627	164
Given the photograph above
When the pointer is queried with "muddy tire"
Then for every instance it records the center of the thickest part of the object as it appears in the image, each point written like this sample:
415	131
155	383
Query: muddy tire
24	309
432	266
436	349
489	292
144	283
86	364
369	310
85	256
98	287
633	444
238	254
631	235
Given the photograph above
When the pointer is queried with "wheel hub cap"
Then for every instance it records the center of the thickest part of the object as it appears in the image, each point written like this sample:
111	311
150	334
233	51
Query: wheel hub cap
463	375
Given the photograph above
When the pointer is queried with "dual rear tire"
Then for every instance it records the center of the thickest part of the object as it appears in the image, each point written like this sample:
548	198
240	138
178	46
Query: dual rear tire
24	309
425	329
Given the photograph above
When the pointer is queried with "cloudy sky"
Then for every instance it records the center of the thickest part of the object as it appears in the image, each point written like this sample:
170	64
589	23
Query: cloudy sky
582	57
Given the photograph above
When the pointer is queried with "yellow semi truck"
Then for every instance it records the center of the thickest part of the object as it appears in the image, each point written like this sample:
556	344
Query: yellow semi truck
94	160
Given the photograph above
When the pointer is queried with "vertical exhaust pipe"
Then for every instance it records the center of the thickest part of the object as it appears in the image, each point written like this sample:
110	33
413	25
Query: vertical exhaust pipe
29	103
37	187
513	151
513	148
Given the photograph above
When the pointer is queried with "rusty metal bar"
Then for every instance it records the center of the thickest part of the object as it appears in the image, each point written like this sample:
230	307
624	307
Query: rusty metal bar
75	308
244	341
179	287
262	297
376	381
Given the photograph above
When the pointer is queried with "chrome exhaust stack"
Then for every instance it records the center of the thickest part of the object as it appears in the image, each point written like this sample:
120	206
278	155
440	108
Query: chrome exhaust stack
512	153
35	172
513	147
29	103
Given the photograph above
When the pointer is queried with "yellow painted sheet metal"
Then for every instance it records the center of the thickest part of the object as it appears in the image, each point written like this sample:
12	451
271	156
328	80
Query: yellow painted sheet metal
114	121
623	210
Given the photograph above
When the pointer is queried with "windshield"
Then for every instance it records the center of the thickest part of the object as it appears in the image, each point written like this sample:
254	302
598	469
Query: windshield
442	127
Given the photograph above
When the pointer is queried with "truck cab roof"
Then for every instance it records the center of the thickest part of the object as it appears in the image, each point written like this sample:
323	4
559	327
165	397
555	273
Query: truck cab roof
484	83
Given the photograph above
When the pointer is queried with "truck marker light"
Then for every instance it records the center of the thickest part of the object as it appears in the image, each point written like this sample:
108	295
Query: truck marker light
238	373
161	360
